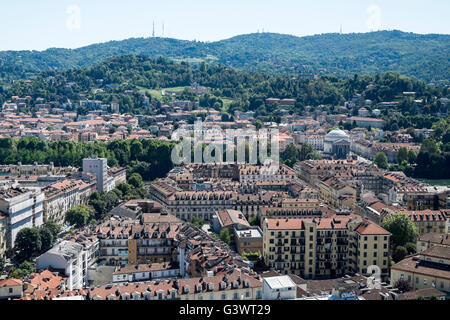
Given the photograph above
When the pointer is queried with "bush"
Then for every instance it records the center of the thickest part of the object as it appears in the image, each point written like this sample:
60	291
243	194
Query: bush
400	253
410	247
199	222
225	236
251	256
402	285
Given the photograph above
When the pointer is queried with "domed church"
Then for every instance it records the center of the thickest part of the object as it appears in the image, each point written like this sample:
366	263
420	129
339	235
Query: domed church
337	144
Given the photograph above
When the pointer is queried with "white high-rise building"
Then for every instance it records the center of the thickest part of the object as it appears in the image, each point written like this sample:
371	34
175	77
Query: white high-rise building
24	207
99	167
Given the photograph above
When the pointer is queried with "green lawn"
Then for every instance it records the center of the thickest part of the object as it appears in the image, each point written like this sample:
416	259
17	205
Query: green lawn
157	93
437	182
226	104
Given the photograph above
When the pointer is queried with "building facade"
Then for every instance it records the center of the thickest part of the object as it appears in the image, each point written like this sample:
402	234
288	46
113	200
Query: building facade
326	247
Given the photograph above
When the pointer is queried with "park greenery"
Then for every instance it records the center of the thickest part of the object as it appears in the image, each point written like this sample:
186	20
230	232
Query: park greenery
149	158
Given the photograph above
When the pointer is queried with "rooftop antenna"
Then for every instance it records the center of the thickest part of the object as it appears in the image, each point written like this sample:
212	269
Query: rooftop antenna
153	35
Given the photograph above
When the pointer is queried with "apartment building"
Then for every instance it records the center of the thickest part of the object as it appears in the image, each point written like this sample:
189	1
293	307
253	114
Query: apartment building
427	220
248	240
325	247
313	171
68	258
231	285
310	209
367	122
128	242
145	272
427	269
186	205
248	173
24	209
3	234
339	194
63	195
428	240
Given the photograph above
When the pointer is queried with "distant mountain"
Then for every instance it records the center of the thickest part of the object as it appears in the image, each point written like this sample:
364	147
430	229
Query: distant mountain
424	57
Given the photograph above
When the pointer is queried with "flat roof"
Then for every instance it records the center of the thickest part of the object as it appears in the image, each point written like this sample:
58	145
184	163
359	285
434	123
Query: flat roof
279	282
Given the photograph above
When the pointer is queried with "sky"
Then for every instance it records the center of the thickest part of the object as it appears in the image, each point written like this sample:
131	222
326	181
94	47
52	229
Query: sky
42	24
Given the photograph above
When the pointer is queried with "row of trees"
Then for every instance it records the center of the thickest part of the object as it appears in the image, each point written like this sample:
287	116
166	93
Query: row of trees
150	158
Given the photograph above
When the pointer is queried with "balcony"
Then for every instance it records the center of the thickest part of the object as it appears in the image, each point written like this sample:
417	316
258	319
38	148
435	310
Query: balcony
114	245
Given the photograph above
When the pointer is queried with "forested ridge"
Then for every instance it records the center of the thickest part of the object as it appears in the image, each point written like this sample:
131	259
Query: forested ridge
245	90
420	56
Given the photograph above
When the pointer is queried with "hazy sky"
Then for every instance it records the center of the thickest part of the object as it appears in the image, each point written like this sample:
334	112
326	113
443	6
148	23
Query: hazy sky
40	24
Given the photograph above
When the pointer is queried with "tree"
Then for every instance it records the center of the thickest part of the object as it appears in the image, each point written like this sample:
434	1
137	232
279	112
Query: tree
136	180
23	271
125	188
402	155
307	152
400	253
46	239
53	227
199	222
412	156
410	247
225	236
28	242
2	264
253	221
290	155
401	227
79	216
402	285
381	160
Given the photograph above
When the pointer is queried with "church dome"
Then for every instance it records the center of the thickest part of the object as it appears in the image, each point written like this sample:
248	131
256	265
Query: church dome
337	133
